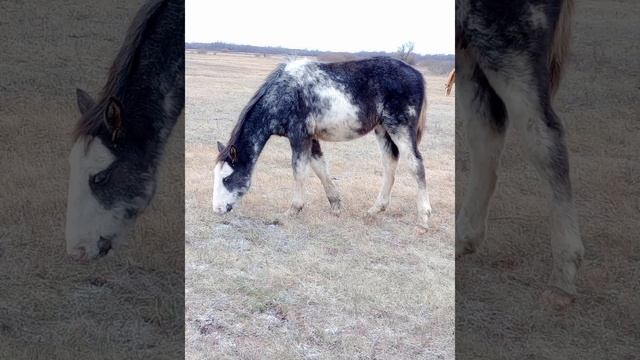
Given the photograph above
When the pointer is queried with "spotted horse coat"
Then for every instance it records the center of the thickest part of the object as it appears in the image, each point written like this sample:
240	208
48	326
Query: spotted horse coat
309	102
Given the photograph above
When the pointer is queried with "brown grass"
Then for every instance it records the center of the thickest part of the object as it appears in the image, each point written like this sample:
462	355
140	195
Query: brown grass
126	306
499	311
262	286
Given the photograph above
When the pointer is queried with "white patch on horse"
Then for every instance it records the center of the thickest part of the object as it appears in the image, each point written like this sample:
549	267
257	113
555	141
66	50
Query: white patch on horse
537	16
297	68
87	219
221	195
411	111
339	121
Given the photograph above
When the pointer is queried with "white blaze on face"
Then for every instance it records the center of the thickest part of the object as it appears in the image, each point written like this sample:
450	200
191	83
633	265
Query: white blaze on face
221	195
87	219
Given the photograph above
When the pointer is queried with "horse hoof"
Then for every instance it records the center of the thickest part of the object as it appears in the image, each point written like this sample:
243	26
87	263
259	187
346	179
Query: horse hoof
423	223
376	209
555	299
293	211
421	229
464	248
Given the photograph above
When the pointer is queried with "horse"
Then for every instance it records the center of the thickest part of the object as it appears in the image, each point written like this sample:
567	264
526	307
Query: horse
509	61
309	102
119	140
451	80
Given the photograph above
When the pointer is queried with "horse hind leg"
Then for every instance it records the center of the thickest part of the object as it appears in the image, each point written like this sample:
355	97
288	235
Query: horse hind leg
319	166
406	141
530	111
390	155
484	119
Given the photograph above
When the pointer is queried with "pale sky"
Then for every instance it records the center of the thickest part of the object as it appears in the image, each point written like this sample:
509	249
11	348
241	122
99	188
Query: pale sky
334	25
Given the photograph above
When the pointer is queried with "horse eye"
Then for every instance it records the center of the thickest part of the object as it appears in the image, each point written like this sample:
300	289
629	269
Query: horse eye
226	180
100	178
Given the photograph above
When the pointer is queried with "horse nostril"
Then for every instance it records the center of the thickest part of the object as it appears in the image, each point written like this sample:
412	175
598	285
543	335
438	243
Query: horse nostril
229	207
104	245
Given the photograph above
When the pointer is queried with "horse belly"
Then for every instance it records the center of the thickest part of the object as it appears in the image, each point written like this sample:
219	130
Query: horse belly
339	129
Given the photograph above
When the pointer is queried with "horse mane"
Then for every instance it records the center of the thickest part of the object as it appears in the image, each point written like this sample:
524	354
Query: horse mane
120	70
246	111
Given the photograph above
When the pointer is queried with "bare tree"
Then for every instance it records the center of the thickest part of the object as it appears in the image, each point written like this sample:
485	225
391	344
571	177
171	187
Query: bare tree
405	53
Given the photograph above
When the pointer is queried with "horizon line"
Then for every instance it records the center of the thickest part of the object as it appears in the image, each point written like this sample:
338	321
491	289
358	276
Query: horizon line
329	51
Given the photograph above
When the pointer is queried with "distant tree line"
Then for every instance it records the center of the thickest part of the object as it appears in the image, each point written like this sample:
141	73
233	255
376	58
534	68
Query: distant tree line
437	64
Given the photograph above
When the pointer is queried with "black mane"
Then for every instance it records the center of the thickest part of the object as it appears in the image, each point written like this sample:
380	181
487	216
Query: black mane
235	133
121	68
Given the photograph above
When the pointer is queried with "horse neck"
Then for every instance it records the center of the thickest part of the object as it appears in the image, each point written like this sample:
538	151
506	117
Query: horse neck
251	140
155	100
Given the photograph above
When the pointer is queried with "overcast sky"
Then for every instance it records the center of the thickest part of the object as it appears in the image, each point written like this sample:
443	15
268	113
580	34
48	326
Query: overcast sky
336	25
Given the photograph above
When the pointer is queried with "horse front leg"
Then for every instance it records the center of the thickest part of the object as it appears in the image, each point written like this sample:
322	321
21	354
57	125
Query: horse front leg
300	158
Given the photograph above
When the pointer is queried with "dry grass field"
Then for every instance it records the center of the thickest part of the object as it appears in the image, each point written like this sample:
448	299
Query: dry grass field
499	312
263	286
129	306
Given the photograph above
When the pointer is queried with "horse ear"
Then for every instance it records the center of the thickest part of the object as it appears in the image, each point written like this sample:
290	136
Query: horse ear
85	101
113	117
233	153
220	147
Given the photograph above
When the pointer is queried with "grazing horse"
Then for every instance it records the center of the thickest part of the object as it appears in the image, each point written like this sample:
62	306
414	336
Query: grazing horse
309	102
509	58
119	140
451	80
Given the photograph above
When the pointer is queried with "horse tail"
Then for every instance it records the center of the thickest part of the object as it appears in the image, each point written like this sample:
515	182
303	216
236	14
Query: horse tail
422	117
560	45
451	79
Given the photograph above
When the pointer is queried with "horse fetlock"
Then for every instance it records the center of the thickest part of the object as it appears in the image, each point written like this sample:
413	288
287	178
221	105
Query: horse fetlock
565	268
425	209
423	222
336	205
377	208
